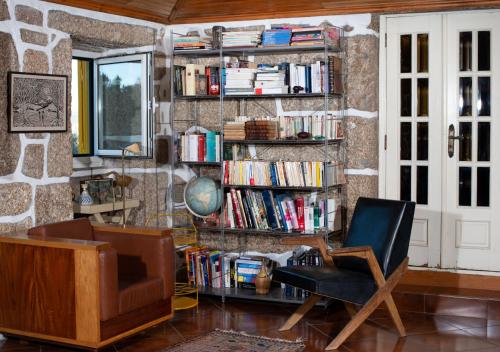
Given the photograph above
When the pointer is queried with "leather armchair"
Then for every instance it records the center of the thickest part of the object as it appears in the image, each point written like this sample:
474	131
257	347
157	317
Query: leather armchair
363	272
122	281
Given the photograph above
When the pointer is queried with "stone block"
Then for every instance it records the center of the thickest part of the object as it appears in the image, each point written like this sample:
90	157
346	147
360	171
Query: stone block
53	203
16	198
11	145
362	143
61	59
16	226
111	34
60	156
359	186
34	37
29	15
33	160
4	11
362	75
35	62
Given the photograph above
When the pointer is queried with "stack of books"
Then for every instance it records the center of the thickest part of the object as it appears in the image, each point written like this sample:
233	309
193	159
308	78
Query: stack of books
185	42
200	147
204	267
307	36
276	37
247	39
270	79
265	210
246	270
234	131
239	81
261	130
282	173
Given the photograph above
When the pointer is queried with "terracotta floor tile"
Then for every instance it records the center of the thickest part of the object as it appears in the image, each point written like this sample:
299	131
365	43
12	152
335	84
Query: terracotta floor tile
385	343
450	341
417	323
490	333
466	322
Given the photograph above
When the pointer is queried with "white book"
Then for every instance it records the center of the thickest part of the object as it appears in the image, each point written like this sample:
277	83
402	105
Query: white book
230	215
301	69
293	76
193	147
269	84
279	90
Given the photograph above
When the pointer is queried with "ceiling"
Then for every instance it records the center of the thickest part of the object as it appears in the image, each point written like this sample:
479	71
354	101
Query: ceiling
197	11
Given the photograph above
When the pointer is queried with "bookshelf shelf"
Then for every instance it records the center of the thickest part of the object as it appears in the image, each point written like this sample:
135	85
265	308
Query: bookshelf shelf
284	141
256	51
255	96
318	67
275	294
284	188
199	163
217	229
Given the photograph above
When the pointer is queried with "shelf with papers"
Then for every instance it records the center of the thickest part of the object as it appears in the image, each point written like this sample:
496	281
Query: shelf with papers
256	50
285	188
256	96
199	163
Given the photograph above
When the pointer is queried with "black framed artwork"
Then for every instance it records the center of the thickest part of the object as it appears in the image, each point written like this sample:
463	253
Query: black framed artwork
37	102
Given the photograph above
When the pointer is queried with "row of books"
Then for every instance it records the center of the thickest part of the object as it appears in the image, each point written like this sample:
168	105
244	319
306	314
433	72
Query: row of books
208	268
265	210
199	147
251	79
301	257
283	173
194	79
277	36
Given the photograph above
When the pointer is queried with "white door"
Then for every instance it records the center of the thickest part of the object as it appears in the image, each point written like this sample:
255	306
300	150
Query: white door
471	214
443	134
414	118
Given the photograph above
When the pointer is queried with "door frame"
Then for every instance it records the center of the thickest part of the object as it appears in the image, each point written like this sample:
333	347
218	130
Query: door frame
382	132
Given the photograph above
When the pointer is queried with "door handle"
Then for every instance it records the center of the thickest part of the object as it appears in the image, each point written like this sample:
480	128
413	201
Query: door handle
451	140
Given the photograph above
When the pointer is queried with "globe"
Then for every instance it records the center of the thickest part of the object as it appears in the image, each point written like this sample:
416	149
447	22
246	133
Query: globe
202	196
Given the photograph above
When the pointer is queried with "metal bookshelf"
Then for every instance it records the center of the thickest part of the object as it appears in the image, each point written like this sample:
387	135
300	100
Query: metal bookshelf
276	294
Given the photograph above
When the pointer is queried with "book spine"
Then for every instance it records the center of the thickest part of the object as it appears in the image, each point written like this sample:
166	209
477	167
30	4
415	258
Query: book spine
201	147
293	214
236	207
299	203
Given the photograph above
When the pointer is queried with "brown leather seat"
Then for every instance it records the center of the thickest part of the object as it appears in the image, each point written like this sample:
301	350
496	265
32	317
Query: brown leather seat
135	272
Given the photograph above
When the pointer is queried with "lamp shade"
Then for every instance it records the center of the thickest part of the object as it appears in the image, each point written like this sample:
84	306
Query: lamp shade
133	148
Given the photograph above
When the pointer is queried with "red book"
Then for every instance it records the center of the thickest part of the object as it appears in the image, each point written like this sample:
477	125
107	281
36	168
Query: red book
299	204
201	148
207	74
236	208
226	172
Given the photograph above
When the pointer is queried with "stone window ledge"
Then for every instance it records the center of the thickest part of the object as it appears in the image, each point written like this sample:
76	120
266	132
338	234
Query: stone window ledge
87	162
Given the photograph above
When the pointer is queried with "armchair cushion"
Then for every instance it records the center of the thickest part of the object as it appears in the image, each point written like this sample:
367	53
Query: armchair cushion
350	286
135	295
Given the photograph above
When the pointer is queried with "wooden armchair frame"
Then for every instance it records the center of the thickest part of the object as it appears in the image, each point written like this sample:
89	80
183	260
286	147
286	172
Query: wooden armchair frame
383	294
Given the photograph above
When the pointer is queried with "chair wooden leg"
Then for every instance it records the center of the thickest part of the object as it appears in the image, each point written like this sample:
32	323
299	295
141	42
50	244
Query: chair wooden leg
351	309
393	311
380	296
300	312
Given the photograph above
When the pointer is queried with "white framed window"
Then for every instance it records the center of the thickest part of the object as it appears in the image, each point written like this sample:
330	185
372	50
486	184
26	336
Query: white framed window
123	106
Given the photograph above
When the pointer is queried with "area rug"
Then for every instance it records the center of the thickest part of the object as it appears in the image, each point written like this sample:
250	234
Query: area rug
232	341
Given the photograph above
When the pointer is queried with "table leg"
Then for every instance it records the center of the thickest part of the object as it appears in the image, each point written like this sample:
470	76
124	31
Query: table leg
99	218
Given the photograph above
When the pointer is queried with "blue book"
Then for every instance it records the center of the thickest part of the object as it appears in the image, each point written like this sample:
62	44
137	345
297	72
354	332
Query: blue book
210	146
272	170
308	79
282	211
271	216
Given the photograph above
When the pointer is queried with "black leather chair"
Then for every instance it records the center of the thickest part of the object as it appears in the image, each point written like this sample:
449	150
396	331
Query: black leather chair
363	272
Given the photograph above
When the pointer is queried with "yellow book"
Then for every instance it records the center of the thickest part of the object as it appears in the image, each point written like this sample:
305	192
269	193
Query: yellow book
318	174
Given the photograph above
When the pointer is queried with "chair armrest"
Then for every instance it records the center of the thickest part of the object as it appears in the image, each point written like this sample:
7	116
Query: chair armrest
108	283
311	241
21	237
360	252
131	230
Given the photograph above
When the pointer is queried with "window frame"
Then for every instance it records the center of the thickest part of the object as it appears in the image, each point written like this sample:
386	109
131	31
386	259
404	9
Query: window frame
91	106
146	109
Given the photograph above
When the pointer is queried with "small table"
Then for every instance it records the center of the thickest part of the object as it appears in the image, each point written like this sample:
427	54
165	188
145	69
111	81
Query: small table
97	209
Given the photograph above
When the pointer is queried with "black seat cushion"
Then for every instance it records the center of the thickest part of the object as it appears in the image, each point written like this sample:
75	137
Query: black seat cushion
345	285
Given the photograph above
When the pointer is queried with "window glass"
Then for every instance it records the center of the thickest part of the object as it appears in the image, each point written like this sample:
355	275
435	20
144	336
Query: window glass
81	103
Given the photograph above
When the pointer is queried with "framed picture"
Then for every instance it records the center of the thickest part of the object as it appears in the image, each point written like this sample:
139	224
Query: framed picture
37	103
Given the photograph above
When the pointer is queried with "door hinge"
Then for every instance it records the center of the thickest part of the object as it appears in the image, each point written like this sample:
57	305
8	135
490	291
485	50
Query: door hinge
386	40
385	142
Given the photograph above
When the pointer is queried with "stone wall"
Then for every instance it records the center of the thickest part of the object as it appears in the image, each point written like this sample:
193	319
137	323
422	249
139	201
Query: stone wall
361	116
36	169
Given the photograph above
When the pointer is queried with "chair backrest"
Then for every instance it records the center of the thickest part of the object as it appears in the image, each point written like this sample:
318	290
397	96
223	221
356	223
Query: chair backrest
383	224
80	229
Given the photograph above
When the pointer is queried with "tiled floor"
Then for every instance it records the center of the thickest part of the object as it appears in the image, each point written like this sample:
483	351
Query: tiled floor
426	333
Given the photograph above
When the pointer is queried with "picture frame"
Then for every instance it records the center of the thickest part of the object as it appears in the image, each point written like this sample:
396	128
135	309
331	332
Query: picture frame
37	103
